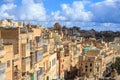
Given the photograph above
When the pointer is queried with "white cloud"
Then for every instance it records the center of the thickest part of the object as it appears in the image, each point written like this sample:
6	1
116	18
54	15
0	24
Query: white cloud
32	11
106	11
6	7
5	11
27	11
56	16
75	11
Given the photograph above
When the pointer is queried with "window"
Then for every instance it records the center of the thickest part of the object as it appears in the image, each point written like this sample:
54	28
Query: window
53	62
75	52
47	77
8	63
90	64
90	70
86	70
86	66
97	69
89	59
31	44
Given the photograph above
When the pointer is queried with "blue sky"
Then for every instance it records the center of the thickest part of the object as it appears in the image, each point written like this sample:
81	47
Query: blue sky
53	5
87	14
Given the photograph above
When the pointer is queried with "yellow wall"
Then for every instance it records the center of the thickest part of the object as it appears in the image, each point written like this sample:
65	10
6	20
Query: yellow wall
8	58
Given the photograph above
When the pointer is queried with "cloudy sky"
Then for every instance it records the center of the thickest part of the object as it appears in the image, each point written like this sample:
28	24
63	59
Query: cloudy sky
87	14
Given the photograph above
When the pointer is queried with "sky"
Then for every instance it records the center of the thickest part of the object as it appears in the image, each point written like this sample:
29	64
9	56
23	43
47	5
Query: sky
86	14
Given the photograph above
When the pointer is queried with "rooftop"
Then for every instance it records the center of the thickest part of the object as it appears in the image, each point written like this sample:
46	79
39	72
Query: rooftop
86	49
93	52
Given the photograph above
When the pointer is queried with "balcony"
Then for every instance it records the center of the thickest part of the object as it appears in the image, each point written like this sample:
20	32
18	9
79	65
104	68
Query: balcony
32	49
25	50
25	64
38	41
32	60
39	55
40	73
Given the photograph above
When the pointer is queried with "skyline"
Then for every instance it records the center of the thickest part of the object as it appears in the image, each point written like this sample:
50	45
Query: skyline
87	14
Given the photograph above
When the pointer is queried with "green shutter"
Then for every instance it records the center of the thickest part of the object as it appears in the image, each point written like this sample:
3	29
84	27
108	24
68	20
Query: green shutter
32	76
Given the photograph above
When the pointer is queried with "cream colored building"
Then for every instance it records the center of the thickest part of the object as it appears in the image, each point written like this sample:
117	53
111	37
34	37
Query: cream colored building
96	62
20	38
32	52
6	62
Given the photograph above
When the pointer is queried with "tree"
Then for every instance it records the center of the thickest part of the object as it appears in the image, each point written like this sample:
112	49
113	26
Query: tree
64	27
57	26
77	28
116	65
